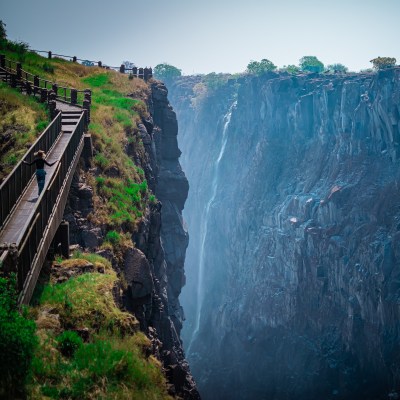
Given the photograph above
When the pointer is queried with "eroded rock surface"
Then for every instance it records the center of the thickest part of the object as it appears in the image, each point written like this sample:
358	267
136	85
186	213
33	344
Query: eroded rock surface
300	292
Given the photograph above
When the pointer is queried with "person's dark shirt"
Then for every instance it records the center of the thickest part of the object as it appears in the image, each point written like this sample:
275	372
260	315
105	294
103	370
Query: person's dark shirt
40	163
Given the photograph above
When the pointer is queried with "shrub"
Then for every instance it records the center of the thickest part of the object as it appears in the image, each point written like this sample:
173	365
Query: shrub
68	343
48	67
337	68
259	68
383	62
113	237
311	64
17	341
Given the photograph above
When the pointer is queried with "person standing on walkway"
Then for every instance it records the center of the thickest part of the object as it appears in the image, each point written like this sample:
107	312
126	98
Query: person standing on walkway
39	161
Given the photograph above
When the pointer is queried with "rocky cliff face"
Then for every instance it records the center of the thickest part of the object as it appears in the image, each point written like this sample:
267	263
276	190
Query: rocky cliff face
294	261
153	270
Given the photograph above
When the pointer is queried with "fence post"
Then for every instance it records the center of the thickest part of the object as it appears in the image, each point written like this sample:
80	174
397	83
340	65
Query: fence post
52	108
64	239
36	84
87	152
74	96
43	95
86	107
13	80
55	88
150	72
28	88
88	95
134	71
2	60
122	69
19	70
49	55
100	64
74	59
141	73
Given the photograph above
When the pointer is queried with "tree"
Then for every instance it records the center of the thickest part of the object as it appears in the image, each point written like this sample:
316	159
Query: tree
291	69
166	72
3	35
311	64
383	62
337	68
260	67
128	64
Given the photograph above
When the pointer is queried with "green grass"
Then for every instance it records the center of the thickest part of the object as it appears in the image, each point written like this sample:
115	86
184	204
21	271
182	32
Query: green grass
111	363
22	120
126	199
97	80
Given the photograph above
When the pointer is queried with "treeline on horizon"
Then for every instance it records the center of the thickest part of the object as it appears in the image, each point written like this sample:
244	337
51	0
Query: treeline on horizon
307	64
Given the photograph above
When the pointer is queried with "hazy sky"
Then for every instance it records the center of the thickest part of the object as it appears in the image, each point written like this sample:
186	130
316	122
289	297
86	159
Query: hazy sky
209	35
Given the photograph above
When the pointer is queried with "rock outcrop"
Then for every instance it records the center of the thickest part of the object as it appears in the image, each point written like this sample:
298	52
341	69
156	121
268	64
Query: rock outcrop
153	271
299	291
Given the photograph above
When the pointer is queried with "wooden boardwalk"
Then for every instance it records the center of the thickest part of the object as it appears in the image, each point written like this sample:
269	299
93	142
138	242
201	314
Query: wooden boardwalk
30	225
14	229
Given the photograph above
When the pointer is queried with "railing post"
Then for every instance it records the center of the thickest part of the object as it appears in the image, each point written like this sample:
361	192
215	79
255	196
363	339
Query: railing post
53	108
43	95
28	88
13	80
141	73
36	84
87	152
150	73
74	59
63	232
122	69
55	88
49	55
86	107
74	96
88	95
2	60
99	63
19	71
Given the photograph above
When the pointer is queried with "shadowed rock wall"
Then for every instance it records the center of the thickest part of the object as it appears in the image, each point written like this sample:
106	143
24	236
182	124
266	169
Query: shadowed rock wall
302	258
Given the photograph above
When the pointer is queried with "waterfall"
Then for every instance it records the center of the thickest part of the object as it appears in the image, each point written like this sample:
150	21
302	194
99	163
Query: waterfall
204	225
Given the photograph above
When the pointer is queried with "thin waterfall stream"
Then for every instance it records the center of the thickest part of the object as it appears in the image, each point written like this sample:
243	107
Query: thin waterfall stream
204	225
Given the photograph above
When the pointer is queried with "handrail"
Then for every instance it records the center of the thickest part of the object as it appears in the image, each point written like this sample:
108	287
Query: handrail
48	90
16	182
34	231
139	72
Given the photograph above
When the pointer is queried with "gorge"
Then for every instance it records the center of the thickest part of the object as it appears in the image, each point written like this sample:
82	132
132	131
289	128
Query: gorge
293	279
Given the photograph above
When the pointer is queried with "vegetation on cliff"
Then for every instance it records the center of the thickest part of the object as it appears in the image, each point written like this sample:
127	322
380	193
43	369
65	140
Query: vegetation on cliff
87	347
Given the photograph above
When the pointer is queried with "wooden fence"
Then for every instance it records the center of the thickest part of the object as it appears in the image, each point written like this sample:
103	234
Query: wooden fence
47	91
138	72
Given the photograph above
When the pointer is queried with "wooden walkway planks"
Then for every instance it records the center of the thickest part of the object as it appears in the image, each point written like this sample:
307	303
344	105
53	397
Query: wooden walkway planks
16	226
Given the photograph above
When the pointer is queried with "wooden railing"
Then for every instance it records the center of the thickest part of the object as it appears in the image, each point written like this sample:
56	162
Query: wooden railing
40	228
45	89
14	185
138	72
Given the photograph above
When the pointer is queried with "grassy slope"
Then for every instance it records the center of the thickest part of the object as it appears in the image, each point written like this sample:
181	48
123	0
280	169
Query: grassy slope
22	119
112	363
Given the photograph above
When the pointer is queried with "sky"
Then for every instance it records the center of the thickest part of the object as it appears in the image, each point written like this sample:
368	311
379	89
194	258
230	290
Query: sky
209	35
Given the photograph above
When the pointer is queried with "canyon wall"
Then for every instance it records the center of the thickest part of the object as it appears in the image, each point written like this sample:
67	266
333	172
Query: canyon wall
293	274
152	273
